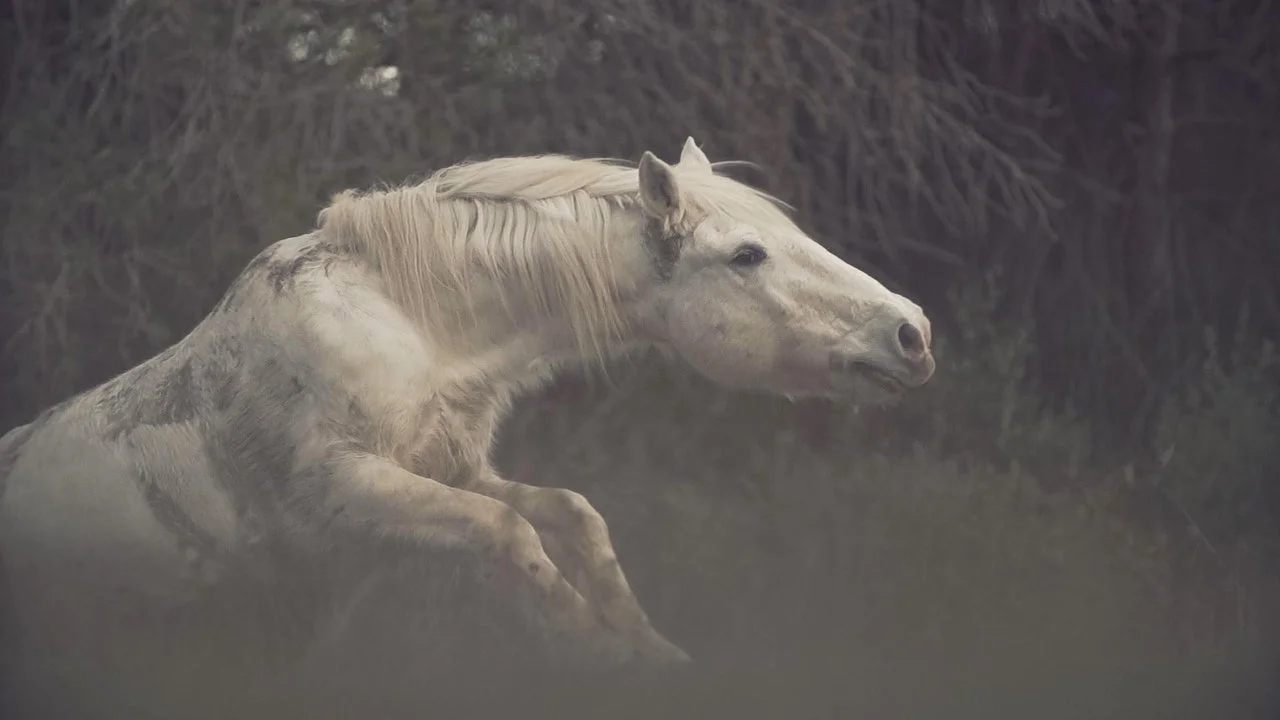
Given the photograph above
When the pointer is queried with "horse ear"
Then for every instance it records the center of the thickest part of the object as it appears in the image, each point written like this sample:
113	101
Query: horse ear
692	157
659	191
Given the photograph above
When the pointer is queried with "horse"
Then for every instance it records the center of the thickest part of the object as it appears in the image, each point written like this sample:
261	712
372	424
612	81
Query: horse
346	389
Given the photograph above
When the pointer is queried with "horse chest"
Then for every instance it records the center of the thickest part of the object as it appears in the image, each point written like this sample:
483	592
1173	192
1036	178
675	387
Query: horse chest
452	444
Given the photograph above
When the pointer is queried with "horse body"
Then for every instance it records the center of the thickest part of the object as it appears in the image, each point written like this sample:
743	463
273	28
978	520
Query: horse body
347	388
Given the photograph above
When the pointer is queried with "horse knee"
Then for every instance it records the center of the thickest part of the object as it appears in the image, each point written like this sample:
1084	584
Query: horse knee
576	514
513	539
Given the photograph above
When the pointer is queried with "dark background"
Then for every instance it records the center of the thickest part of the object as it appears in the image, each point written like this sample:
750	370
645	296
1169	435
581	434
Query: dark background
1083	194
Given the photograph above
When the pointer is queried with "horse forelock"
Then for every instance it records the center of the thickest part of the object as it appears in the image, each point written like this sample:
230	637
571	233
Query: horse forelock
543	221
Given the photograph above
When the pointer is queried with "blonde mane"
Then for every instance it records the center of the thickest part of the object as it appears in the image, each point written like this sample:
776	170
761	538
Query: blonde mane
539	223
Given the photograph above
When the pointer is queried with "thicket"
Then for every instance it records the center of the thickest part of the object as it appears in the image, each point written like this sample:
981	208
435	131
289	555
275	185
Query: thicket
1082	194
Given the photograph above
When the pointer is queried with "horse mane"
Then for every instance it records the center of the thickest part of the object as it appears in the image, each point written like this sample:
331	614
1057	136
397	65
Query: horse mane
542	221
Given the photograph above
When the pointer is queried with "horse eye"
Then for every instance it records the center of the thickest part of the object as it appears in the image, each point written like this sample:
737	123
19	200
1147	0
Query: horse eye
748	255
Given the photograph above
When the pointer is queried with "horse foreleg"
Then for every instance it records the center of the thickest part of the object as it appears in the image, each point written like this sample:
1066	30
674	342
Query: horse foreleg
373	495
577	539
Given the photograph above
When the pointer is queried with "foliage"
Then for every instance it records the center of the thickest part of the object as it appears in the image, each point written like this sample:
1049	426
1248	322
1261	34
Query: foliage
1221	431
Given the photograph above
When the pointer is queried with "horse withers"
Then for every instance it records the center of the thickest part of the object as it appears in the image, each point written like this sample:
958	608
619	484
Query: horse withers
347	387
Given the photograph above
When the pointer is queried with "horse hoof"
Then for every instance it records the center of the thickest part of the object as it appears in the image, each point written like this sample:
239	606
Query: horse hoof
660	651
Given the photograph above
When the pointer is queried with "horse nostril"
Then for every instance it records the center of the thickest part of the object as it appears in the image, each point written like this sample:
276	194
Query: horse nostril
911	340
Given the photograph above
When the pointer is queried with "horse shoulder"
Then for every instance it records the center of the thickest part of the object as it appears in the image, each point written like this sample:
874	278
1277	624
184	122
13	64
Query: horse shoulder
323	363
332	363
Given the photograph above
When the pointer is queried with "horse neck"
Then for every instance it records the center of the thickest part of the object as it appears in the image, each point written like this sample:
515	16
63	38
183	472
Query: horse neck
498	331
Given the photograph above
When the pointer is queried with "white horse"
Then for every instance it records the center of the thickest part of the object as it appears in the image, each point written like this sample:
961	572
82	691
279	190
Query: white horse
347	387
